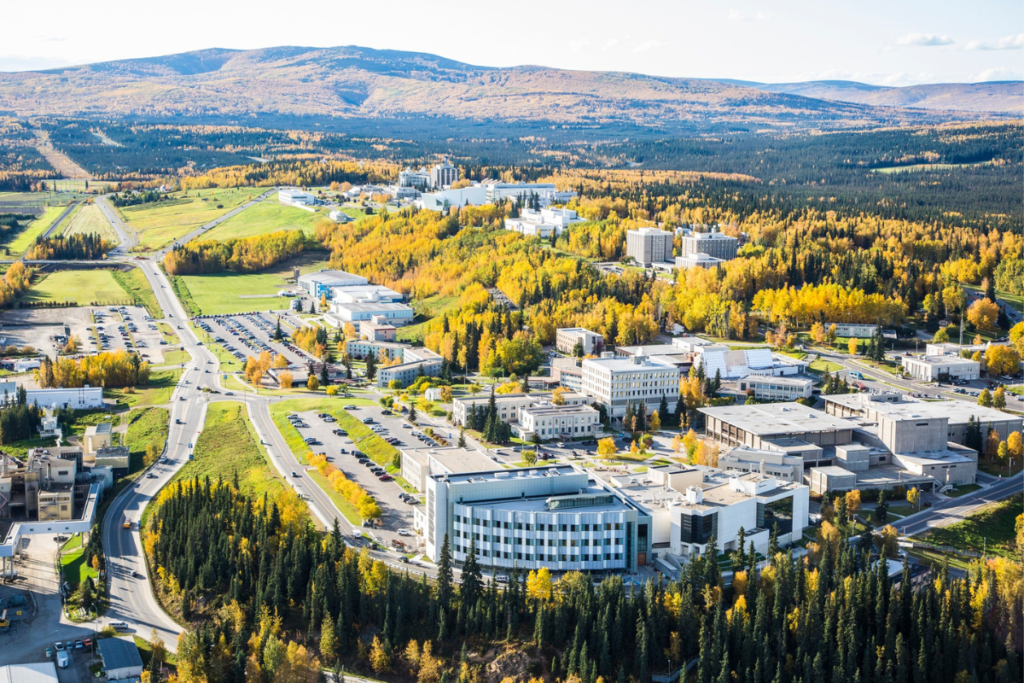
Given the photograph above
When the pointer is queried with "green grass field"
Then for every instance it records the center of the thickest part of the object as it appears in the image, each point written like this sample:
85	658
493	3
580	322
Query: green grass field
227	293
268	216
990	530
226	447
822	365
88	218
346	508
135	285
146	426
158	391
80	286
27	237
72	561
426	310
160	223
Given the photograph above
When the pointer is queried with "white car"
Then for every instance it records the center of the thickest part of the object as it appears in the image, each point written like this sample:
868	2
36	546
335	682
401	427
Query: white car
404	532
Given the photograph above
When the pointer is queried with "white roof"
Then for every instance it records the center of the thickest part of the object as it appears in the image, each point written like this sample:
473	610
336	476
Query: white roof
36	672
769	419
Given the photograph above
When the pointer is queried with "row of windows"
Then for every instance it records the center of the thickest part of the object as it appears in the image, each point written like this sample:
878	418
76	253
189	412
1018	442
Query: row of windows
553	542
543	557
498	524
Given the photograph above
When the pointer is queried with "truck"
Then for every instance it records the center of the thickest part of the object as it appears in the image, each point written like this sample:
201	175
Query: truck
127	523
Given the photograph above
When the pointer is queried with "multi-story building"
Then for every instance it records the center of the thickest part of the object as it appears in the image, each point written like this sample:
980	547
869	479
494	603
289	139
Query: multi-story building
415	178
777	388
97	436
941	368
568	373
444	175
639	380
416	362
697	261
420	463
564	422
553	517
738	363
509	407
321	282
377	329
360	349
545	194
773	463
714	244
649	245
690	506
785	427
566	338
873	406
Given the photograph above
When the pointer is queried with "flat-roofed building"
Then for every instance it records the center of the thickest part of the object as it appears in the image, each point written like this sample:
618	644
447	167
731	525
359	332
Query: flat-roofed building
543	223
777	388
97	436
782	466
553	517
564	422
697	261
714	244
377	329
568	373
420	463
737	363
81	398
858	330
364	293
649	245
640	380
509	407
567	337
394	313
874	406
757	426
416	362
293	196
941	368
323	281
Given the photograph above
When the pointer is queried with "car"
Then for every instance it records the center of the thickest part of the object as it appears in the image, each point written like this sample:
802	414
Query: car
229	393
367	420
404	532
501	578
351	408
59	645
294	473
406	426
404	559
49	652
119	625
69	646
178	422
136	574
560	444
150	475
88	642
79	645
384	477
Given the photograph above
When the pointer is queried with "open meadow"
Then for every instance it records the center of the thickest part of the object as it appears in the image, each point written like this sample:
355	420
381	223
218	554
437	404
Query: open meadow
268	216
81	286
160	223
227	293
21	242
89	219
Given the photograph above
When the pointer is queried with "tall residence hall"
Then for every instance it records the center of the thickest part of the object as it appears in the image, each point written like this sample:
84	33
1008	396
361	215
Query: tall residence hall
717	245
561	518
648	246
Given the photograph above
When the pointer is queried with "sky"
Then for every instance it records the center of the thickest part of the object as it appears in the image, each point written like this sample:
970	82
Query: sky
882	42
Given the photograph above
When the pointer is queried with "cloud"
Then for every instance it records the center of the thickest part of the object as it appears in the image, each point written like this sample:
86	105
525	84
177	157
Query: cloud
1005	43
610	44
924	40
997	74
647	45
576	45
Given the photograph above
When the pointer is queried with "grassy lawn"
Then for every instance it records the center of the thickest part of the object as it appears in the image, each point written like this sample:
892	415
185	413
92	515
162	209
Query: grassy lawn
989	530
88	218
228	293
158	391
160	223
426	310
176	357
83	287
168	333
963	490
135	285
146	426
146	652
267	216
822	365
227	447
27	237
346	508
72	561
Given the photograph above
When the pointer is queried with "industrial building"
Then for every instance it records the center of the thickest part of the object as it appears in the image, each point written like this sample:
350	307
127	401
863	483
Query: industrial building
649	245
354	294
293	196
81	398
717	245
121	658
396	314
566	338
322	281
639	380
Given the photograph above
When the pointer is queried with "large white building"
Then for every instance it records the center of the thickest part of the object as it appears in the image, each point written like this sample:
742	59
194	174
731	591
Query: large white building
324	281
444	174
293	196
714	244
617	382
510	407
697	261
777	388
858	330
566	338
739	363
420	463
396	314
941	368
414	178
554	517
416	362
545	193
543	223
83	398
649	245
364	294
565	422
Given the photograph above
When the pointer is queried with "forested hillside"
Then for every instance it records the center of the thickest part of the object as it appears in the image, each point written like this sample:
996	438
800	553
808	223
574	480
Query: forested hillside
273	600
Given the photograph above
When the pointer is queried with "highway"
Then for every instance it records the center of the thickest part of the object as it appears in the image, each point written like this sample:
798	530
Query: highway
956	509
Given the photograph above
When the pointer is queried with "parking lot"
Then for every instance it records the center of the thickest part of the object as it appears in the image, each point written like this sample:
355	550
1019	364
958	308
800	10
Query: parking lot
99	328
250	334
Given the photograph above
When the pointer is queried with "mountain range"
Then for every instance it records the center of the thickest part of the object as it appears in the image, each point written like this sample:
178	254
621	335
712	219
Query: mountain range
363	83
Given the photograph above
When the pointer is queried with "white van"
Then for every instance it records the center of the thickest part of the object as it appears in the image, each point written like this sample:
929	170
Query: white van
62	659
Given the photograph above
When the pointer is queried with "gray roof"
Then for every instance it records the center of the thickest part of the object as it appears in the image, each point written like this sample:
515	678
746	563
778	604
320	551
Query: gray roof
119	653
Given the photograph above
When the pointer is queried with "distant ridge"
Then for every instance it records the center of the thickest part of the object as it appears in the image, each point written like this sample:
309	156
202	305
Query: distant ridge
301	83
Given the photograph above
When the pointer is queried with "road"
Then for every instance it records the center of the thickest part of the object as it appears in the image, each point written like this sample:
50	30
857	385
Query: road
215	222
127	239
956	509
